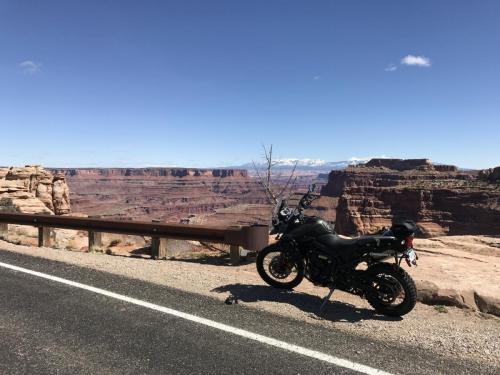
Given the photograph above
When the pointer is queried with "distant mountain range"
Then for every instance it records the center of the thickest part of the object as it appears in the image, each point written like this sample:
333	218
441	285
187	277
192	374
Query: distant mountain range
309	167
305	166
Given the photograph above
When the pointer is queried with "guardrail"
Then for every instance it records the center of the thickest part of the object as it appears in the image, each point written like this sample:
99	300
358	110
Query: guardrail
253	237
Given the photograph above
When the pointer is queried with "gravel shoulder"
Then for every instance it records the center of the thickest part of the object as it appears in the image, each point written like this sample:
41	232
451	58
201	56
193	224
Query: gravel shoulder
448	331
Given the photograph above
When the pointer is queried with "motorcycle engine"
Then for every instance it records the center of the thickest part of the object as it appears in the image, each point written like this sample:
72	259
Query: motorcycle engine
320	268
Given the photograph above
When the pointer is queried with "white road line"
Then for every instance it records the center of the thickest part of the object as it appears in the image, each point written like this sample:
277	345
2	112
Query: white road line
210	323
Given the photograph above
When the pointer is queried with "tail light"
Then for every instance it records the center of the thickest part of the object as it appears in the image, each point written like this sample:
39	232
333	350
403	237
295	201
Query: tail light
409	242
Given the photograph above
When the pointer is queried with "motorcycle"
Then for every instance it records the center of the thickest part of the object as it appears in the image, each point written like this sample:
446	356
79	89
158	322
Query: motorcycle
308	247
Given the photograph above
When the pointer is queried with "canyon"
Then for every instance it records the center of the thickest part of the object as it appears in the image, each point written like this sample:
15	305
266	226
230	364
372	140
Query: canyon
359	199
208	196
441	199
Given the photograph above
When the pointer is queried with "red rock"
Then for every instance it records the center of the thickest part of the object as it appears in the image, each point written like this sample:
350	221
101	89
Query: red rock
168	194
440	199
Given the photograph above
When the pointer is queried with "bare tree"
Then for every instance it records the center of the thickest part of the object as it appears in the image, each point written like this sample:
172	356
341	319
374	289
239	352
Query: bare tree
273	190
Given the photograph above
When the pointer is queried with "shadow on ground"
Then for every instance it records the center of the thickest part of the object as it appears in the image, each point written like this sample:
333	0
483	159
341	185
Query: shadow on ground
213	259
335	311
221	259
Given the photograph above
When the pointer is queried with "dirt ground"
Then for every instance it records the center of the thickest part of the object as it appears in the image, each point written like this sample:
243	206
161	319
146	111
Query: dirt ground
447	330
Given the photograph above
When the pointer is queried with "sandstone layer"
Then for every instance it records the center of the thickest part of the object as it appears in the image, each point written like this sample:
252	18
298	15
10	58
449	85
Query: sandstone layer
440	198
32	189
167	194
468	269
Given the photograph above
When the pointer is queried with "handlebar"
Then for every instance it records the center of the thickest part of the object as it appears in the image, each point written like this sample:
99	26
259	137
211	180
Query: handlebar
282	214
308	197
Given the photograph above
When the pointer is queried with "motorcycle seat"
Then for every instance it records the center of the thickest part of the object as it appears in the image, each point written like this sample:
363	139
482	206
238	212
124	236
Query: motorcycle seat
333	240
336	242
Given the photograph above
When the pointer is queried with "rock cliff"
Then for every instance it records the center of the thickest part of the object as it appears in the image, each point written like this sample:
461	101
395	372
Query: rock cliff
32	189
441	199
168	194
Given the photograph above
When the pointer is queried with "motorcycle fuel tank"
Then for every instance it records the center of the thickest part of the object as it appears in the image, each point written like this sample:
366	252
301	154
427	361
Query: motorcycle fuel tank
310	227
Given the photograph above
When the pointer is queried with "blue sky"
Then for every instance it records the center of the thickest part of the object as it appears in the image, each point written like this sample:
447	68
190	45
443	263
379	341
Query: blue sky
206	83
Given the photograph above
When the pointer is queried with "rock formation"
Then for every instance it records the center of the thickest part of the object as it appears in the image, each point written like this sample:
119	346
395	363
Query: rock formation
168	194
32	189
490	175
441	199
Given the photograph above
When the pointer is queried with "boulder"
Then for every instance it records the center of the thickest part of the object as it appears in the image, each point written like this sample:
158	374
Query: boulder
32	189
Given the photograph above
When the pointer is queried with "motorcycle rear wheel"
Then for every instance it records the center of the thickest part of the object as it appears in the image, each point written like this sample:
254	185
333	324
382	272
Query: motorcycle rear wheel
390	281
278	271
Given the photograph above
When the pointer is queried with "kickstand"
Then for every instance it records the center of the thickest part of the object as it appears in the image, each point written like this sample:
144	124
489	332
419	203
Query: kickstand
325	301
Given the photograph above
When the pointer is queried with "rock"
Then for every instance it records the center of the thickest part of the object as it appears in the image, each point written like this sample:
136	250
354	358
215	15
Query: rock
459	271
32	189
491	175
60	195
431	294
231	300
401	164
488	304
225	196
440	199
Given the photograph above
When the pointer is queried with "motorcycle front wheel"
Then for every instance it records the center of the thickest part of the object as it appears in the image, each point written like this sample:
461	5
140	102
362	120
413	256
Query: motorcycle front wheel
277	269
393	291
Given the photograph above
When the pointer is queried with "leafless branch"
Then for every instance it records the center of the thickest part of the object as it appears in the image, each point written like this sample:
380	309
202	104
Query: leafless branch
292	174
266	178
266	185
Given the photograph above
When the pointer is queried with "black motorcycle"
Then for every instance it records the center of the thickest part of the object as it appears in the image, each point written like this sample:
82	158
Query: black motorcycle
308	247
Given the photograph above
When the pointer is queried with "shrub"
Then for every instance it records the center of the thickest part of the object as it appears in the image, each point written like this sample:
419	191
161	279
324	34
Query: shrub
441	309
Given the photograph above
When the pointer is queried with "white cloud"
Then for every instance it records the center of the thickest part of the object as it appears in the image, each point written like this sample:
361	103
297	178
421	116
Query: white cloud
316	78
416	61
391	68
30	67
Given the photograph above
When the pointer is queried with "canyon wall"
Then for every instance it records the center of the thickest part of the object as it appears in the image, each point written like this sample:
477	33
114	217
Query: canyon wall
33	189
167	194
440	198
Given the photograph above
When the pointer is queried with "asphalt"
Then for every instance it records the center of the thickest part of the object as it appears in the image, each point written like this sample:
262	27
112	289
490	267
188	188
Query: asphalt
51	328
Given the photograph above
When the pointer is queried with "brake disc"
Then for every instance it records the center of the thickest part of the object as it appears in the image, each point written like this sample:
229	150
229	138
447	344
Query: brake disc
278	268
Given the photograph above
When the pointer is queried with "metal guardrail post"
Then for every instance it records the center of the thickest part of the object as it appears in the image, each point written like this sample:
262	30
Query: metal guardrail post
44	239
4	230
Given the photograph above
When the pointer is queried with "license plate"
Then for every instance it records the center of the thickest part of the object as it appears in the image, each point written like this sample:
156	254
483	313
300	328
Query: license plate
411	256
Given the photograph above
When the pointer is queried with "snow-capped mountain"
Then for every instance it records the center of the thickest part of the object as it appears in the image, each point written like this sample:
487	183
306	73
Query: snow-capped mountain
307	166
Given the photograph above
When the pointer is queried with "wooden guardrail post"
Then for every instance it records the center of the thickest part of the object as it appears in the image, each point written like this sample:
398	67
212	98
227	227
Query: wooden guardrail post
158	246
95	241
234	251
95	238
235	254
44	239
4	230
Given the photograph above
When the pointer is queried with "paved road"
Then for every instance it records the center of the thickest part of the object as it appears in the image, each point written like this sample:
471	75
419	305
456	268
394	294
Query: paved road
47	327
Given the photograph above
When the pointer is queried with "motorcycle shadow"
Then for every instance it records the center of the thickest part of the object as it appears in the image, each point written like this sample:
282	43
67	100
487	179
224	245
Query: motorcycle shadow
335	311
